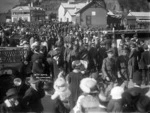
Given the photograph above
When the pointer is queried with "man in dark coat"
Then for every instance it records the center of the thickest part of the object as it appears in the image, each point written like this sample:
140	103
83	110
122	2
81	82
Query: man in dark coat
92	58
32	97
109	68
136	91
67	57
145	64
12	102
133	61
122	65
101	54
37	61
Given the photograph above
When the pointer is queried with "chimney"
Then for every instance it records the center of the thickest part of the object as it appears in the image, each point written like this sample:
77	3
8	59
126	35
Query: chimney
31	4
71	1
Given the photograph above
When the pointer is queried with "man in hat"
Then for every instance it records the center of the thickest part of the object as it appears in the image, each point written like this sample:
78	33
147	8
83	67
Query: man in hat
37	61
50	105
122	65
4	39
92	66
12	102
32	97
133	60
145	64
109	68
101	54
136	90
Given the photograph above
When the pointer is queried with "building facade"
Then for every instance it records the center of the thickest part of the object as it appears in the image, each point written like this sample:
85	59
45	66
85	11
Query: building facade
93	14
27	13
66	11
138	20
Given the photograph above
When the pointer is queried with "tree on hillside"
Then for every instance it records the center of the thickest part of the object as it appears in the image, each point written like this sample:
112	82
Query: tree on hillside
134	5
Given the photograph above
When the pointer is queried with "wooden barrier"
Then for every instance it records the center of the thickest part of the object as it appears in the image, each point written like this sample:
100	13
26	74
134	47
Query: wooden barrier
11	55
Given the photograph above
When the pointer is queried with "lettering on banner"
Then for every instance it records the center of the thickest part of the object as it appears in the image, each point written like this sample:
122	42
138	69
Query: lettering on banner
43	77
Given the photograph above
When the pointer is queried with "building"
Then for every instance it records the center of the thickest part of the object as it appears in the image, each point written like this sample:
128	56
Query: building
93	14
70	16
138	19
66	11
27	13
4	17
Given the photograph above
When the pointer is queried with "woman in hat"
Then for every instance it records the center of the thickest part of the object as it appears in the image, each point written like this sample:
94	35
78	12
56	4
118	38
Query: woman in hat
12	102
32	97
90	96
73	79
115	104
51	105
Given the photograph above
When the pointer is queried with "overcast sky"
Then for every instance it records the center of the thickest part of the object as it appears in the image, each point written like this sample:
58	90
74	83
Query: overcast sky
5	5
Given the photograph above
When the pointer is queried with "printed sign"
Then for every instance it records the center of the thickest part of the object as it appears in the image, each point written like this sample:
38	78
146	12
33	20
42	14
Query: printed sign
8	55
43	77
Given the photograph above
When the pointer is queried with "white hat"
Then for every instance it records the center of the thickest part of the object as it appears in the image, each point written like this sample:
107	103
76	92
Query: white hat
117	92
87	84
35	44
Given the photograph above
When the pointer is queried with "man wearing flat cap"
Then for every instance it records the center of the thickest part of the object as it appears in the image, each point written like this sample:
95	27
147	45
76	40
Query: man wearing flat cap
109	68
12	102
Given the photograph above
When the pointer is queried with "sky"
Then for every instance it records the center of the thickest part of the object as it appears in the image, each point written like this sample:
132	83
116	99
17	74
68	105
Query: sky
5	5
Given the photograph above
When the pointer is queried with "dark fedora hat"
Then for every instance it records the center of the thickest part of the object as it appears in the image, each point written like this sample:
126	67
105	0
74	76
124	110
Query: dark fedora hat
48	85
11	92
32	80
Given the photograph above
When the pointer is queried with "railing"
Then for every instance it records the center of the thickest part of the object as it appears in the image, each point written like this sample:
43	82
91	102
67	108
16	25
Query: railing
11	55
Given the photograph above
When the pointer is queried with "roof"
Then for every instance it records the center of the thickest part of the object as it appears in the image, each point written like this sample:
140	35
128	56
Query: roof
72	6
26	8
90	3
71	12
110	13
139	14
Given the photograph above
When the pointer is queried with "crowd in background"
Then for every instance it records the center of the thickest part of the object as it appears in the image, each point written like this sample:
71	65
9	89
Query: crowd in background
85	66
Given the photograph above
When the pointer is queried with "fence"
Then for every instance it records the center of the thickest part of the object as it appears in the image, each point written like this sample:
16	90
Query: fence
11	55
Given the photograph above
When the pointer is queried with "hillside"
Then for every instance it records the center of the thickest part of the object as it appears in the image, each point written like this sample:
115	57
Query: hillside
116	5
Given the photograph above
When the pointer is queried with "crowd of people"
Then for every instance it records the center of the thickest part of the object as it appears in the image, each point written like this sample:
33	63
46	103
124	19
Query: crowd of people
89	72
